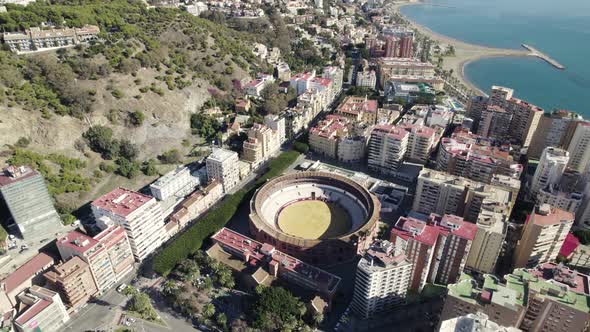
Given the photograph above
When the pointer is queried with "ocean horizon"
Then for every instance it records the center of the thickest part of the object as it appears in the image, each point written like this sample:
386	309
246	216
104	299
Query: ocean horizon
561	31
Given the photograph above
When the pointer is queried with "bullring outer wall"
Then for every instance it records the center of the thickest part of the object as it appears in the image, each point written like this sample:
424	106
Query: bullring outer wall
316	251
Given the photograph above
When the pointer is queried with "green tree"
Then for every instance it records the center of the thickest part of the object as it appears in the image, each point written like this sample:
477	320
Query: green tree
100	139
318	318
128	150
301	147
171	157
275	308
136	118
140	303
128	168
205	126
149	168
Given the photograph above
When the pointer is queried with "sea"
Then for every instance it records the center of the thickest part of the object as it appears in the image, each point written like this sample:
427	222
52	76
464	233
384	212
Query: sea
560	29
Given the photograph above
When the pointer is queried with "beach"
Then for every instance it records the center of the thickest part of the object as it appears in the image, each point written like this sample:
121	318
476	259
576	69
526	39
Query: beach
464	52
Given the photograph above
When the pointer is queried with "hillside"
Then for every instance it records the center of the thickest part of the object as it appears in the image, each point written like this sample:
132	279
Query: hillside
150	70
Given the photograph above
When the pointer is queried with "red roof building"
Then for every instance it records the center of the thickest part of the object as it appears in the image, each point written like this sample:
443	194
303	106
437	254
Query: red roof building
437	247
108	254
22	279
140	215
277	263
358	109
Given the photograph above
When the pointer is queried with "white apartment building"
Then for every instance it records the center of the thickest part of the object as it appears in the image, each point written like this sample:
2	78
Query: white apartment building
223	166
352	149
335	74
387	148
108	254
366	79
139	214
178	182
421	142
278	124
550	169
441	193
382	280
543	236
568	201
579	148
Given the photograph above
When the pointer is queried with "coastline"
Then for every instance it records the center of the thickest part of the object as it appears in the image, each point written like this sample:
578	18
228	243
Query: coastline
465	53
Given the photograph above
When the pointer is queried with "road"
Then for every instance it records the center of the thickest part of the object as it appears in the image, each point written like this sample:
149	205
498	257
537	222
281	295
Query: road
104	313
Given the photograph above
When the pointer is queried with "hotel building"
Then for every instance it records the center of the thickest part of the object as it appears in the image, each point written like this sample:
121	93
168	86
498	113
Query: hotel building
382	279
579	148
441	193
387	148
555	129
550	169
35	39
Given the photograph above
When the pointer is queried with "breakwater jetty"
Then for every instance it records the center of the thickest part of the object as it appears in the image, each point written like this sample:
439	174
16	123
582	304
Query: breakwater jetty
543	56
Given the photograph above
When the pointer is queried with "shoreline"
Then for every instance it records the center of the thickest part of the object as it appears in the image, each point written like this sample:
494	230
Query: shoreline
465	52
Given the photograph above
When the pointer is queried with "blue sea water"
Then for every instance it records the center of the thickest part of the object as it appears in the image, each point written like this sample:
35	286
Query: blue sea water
560	29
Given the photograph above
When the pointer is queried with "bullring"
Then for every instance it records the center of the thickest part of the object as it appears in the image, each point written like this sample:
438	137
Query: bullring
319	217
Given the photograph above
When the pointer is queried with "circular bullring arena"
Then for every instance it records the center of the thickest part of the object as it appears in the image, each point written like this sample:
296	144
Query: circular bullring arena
316	216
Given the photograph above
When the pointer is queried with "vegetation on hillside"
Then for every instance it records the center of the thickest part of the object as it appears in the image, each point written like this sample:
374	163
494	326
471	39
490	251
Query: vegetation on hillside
66	179
180	46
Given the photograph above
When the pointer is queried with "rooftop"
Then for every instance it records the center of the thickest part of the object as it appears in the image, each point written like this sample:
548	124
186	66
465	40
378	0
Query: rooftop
64	269
221	155
32	311
169	177
522	281
419	130
569	245
35	265
383	255
259	253
357	105
121	202
390	131
13	174
546	215
427	232
330	126
77	241
576	281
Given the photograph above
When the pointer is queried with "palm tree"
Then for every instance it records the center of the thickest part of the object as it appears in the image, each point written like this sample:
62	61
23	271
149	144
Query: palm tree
168	287
318	318
208	310
301	308
221	319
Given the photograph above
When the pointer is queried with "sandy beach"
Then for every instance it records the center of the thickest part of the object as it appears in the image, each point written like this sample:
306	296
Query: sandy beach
464	52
